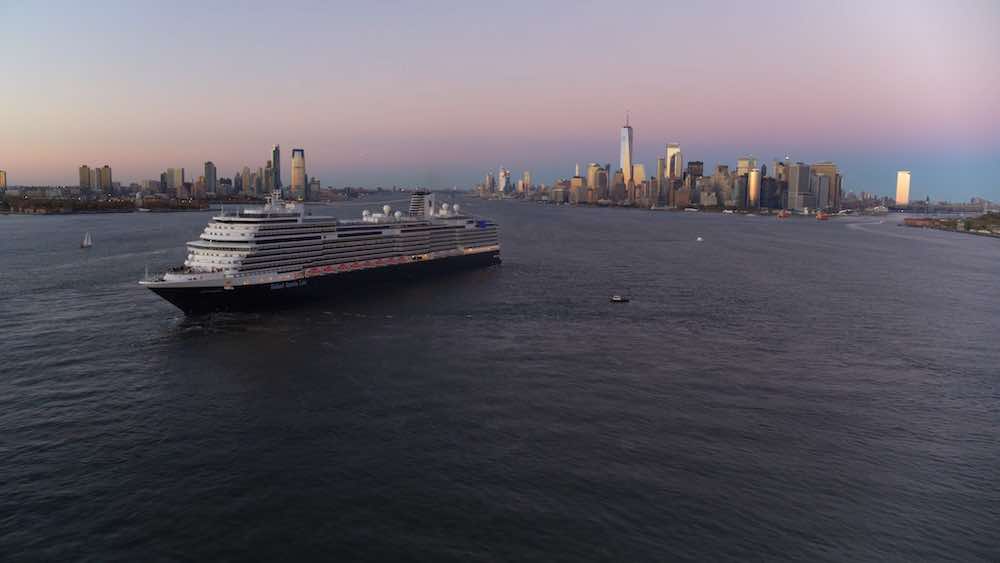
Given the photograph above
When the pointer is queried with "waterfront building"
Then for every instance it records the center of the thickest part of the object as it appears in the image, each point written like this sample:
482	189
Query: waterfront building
198	190
3	179
268	177
298	185
314	187
211	177
638	173
85	177
674	161
105	179
799	195
490	183
738	196
903	187
626	152
753	188
603	191
592	170
276	167
819	187
696	168
577	188
772	193
831	199
661	183
526	180
682	197
503	180
618	187
722	183
175	178
560	191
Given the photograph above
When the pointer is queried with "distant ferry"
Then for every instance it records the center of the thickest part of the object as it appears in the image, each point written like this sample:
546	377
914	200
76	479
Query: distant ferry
260	256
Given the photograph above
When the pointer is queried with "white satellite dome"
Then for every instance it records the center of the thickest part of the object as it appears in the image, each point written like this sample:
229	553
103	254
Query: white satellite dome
398	214
386	209
444	207
455	208
366	213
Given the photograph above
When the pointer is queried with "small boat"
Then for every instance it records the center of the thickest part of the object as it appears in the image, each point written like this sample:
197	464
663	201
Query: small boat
87	241
699	239
619	299
821	216
784	214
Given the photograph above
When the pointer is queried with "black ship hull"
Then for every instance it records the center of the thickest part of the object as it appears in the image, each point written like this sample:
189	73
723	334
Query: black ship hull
199	300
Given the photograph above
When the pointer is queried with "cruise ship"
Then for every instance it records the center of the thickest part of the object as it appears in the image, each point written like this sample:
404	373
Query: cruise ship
261	256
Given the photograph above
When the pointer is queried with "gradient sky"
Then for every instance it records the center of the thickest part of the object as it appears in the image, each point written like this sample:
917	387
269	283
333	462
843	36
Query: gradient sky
383	93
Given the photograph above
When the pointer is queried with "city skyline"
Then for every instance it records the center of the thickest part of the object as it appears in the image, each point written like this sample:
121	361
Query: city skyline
913	87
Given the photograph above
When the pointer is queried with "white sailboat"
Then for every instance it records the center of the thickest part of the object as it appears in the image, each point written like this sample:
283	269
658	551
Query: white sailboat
87	241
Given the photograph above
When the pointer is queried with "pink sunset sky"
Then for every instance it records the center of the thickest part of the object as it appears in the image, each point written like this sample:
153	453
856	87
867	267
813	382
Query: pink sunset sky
383	93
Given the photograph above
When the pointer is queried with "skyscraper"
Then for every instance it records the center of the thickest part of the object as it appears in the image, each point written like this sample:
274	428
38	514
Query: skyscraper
85	177
828	170
211	178
753	188
3	179
175	179
276	167
248	188
298	174
268	177
105	178
626	151
638	173
744	164
592	169
659	188
798	186
503	180
602	183
903	187
675	161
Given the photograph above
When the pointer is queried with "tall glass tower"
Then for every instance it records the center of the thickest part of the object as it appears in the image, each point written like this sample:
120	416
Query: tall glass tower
903	187
675	162
276	167
298	174
626	151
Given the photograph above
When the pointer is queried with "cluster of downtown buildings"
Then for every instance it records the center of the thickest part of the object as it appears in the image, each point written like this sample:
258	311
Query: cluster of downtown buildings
174	183
795	186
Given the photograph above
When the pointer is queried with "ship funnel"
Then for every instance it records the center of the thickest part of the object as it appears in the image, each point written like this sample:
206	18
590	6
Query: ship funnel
421	204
